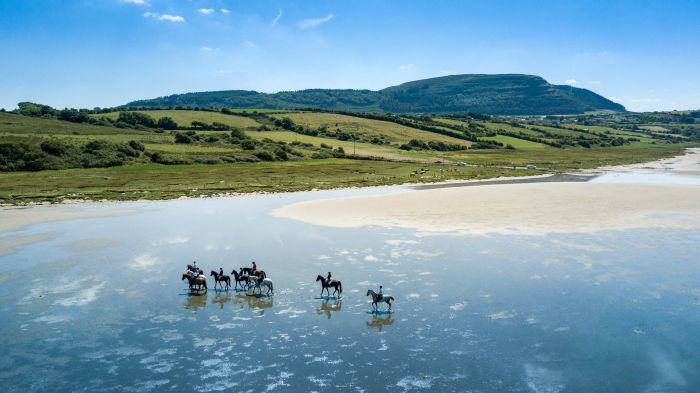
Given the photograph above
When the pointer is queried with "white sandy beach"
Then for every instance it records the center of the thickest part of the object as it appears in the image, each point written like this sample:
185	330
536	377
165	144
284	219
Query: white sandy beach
533	208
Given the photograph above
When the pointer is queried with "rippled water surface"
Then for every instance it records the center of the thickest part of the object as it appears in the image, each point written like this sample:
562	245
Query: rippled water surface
98	305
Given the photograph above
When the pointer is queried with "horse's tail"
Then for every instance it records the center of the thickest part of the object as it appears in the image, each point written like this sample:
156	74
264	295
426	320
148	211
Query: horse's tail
340	287
205	284
272	289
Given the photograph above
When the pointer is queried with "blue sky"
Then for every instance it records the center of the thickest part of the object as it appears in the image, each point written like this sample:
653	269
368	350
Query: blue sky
82	53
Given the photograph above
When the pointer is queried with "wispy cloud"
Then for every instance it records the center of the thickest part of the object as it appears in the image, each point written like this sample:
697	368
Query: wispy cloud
571	82
206	11
407	66
205	49
277	18
250	44
138	2
225	11
314	22
594	83
167	17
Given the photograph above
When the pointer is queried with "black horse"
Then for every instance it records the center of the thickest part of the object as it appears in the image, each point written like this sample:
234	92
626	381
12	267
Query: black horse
337	285
219	278
198	281
241	278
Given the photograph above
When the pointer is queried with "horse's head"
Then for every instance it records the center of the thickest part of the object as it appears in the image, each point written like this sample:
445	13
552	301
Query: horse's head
319	278
184	276
368	292
213	273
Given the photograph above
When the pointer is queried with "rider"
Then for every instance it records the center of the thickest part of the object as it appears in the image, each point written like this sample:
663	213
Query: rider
328	279
255	267
221	272
195	268
379	294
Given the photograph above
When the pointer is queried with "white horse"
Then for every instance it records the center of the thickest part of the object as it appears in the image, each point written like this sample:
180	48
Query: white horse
375	299
265	282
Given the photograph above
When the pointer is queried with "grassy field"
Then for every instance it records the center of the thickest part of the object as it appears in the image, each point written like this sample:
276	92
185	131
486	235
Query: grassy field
153	181
517	142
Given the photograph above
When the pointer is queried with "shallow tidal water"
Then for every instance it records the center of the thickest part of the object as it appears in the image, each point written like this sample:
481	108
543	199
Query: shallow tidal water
97	304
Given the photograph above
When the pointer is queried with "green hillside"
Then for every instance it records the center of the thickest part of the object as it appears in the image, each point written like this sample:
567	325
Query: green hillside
507	94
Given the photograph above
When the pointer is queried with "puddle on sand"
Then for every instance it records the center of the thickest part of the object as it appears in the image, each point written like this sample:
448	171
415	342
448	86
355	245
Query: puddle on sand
491	313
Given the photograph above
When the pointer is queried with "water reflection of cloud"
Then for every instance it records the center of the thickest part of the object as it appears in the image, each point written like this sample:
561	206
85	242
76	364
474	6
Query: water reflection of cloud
85	296
172	241
543	380
144	262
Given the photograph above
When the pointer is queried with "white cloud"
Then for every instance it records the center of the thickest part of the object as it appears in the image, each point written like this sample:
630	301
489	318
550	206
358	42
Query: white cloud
571	82
169	18
314	22
594	83
277	18
250	44
137	2
206	11
205	49
225	11
406	66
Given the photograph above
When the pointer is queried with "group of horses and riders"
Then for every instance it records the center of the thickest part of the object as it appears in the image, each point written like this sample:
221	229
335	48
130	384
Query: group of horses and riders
252	277
246	277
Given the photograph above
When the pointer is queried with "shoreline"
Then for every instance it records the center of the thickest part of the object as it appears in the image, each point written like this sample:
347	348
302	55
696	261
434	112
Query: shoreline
18	216
530	206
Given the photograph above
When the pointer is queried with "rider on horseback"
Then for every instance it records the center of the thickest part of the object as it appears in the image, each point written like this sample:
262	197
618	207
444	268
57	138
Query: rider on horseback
328	279
379	294
255	267
221	272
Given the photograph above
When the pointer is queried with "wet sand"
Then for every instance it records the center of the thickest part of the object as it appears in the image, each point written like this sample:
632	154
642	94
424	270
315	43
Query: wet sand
537	207
14	218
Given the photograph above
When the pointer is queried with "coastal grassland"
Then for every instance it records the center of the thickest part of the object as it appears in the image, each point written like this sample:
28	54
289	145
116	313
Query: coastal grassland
517	143
184	118
154	181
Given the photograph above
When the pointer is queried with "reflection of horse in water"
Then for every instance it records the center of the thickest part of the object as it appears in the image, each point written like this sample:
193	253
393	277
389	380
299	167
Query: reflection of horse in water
378	322
221	298
198	281
376	298
335	284
328	308
195	302
253	302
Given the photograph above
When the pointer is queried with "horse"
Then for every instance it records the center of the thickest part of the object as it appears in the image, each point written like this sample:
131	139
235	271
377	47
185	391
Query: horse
260	282
375	299
198	281
337	285
258	273
219	278
193	269
242	278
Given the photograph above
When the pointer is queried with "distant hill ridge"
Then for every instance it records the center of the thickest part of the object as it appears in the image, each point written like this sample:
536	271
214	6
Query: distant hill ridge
498	94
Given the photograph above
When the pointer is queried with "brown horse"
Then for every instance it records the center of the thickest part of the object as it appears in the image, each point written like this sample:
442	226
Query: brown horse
199	281
219	278
258	273
337	285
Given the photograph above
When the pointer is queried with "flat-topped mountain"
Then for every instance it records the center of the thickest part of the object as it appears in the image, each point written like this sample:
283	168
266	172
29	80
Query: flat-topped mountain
499	94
